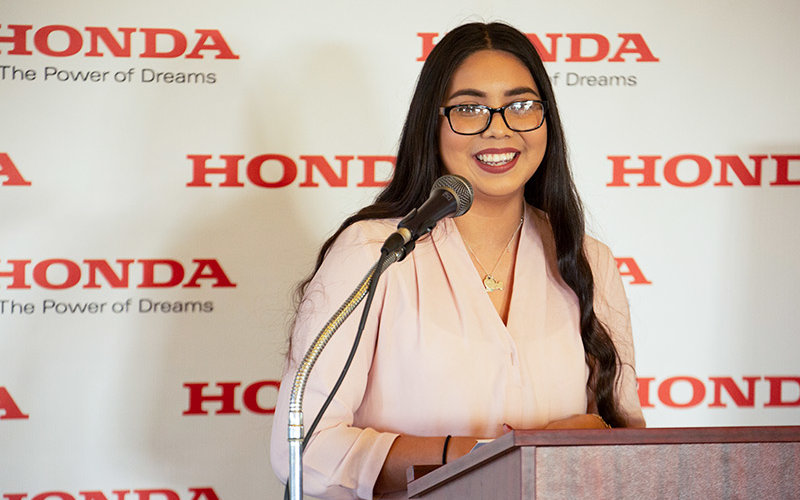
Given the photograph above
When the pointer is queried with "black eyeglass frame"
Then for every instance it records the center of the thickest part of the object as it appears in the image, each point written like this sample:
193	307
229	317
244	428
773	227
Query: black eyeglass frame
445	111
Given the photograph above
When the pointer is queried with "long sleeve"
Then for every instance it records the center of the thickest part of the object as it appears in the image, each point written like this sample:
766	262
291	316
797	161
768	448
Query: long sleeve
340	461
611	307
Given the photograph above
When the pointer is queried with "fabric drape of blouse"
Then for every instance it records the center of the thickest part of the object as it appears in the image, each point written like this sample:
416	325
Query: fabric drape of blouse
435	357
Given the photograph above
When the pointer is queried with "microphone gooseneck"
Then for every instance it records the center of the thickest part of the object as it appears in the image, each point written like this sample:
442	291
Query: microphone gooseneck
451	196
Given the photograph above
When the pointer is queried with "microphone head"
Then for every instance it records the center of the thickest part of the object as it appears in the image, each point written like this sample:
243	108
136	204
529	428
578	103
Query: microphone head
460	188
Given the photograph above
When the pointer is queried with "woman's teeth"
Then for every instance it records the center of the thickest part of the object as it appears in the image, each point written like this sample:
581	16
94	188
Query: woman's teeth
496	159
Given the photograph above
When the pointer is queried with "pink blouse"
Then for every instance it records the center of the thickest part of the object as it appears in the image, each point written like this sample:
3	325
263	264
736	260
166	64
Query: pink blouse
435	357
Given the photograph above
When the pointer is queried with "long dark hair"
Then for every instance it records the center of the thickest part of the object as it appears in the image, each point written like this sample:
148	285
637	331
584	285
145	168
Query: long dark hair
551	189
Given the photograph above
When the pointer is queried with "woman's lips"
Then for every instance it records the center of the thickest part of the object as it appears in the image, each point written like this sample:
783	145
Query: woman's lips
496	160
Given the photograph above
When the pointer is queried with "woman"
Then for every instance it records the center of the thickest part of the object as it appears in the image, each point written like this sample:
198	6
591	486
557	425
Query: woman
508	316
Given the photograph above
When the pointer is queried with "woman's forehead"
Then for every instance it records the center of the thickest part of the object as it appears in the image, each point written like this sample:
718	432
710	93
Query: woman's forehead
491	72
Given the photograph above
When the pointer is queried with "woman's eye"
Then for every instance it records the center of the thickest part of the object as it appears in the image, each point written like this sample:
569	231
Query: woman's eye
468	110
521	106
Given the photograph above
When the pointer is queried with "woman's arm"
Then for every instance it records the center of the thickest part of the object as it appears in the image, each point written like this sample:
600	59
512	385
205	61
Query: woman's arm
611	307
413	450
341	459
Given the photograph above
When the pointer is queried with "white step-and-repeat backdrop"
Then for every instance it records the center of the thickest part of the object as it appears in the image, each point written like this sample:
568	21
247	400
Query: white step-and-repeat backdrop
169	170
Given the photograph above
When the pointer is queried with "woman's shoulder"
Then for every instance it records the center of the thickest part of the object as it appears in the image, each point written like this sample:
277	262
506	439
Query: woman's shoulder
360	240
602	262
596	250
598	254
367	232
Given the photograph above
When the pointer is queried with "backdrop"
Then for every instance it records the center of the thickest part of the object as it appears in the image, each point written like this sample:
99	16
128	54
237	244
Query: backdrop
168	172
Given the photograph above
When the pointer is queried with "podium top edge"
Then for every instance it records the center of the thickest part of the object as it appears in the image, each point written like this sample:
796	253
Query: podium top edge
660	435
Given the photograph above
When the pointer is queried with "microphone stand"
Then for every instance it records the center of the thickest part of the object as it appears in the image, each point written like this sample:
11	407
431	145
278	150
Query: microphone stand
295	428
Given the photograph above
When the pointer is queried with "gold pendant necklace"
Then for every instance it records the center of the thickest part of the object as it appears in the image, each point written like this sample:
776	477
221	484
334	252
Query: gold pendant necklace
490	283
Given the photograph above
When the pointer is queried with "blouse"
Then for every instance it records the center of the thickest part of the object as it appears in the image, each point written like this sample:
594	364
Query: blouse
435	357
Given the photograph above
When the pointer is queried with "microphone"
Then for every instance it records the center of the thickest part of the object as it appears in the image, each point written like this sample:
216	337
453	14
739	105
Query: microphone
451	196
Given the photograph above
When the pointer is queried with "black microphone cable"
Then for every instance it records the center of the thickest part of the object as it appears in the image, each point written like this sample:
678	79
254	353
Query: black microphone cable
363	321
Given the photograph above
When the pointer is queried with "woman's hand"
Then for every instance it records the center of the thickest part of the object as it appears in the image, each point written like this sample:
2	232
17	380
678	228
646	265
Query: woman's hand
585	421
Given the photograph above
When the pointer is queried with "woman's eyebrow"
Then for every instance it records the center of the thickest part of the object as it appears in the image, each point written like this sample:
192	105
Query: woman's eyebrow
467	92
520	91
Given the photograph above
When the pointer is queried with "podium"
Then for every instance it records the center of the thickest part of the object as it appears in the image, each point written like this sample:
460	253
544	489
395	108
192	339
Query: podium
705	463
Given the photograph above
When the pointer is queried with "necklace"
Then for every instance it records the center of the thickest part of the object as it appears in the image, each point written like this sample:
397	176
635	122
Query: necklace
490	284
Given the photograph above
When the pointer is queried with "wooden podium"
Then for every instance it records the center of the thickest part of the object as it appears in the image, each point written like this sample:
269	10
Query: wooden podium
706	463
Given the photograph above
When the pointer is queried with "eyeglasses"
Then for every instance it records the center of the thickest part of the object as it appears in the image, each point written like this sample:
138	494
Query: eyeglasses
471	119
